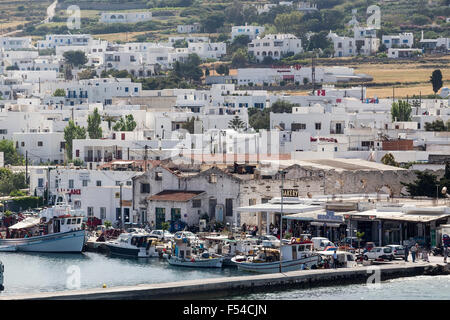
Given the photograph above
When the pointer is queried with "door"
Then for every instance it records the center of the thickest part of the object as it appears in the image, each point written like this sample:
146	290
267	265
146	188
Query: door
175	214
294	252
212	208
56	226
160	217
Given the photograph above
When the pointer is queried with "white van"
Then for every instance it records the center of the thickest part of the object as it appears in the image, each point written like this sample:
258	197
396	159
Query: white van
320	243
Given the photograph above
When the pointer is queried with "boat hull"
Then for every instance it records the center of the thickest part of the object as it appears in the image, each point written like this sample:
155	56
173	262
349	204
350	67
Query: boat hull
273	267
200	263
64	242
130	251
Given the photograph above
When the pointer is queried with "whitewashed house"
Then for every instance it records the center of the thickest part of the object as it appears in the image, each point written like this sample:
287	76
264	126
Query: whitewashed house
274	46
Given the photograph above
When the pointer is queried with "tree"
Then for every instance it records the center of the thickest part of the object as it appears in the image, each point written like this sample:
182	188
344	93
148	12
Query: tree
425	185
87	74
75	58
109	119
59	93
94	121
189	70
222	69
71	132
389	160
437	125
236	123
10	154
436	80
239	58
212	22
189	125
401	111
282	106
11	182
127	124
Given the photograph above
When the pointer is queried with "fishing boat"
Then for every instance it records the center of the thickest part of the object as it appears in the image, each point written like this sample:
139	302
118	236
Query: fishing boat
133	244
297	255
227	247
56	229
185	255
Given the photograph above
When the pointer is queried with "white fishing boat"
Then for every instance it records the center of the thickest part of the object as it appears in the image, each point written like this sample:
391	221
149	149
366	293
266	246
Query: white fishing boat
134	244
57	229
227	247
183	256
297	255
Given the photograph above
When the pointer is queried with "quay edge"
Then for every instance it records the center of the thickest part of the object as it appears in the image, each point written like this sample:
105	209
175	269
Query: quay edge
226	287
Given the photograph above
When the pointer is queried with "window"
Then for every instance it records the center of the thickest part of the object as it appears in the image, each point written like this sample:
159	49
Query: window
70	184
85	183
196	203
117	183
129	183
158	176
318	126
40	182
22	144
98	183
145	188
298	126
102	213
90	211
213	178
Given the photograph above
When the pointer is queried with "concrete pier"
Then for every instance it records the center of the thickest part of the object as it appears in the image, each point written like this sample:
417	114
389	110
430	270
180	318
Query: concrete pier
225	287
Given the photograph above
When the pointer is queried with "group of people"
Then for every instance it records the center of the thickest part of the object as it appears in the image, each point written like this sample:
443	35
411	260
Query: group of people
416	251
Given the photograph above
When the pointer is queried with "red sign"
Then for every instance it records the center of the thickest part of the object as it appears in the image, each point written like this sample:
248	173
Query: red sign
321	92
69	191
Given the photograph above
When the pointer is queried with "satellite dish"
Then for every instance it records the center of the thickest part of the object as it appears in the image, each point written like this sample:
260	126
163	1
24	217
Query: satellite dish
445	92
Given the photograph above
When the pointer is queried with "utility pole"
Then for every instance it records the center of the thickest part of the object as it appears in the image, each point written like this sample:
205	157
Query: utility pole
313	73
145	158
128	153
120	204
26	166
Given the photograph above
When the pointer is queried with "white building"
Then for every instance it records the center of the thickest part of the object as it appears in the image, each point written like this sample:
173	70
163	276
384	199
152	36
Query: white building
402	40
275	46
251	31
396	53
55	40
363	42
40	147
125	17
189	28
15	43
208	50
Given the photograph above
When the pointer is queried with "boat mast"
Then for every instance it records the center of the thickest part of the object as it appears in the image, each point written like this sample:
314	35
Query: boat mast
281	220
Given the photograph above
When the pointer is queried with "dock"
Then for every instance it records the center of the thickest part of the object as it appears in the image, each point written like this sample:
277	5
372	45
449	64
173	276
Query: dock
214	288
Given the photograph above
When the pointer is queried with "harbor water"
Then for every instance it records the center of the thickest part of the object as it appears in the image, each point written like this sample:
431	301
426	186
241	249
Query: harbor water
33	273
39	272
411	288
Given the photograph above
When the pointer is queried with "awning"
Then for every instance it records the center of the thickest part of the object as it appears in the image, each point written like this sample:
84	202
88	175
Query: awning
26	223
276	207
325	224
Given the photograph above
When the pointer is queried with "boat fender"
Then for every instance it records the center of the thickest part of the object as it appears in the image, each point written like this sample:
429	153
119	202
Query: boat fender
293	240
192	260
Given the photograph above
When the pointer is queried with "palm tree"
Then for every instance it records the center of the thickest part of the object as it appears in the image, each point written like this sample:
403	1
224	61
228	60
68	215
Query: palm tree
109	119
236	123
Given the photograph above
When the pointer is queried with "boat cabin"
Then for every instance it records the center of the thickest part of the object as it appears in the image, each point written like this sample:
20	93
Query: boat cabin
345	259
296	250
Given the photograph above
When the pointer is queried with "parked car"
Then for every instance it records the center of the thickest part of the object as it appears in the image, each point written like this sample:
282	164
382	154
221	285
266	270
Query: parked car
379	253
160	234
185	234
397	250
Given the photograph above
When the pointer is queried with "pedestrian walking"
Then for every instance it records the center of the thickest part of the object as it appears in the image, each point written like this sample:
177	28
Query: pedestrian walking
406	253
446	245
413	252
335	262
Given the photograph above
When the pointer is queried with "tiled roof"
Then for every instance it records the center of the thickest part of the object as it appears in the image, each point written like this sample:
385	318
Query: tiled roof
175	195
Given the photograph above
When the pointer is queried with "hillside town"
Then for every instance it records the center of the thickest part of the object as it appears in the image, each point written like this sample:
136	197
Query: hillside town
179	135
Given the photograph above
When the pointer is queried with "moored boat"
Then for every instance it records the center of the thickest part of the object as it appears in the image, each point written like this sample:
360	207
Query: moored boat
297	255
57	229
136	245
183	256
